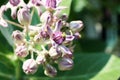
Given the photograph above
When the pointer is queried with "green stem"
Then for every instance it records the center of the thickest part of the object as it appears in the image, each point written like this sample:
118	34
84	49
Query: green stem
18	70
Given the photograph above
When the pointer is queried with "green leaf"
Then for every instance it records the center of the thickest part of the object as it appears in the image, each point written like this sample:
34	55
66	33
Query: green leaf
79	5
66	3
35	18
6	62
4	46
111	71
7	33
6	67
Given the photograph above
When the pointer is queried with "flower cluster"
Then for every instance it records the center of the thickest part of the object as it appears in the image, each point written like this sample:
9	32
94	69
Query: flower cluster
46	43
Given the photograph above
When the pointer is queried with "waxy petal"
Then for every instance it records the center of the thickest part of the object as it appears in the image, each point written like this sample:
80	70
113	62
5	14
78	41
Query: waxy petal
58	26
69	38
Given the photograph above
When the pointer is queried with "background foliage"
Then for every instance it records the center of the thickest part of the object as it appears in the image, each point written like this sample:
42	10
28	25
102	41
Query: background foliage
96	55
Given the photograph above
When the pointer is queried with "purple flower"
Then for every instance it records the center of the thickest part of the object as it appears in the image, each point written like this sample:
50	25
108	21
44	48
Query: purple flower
58	37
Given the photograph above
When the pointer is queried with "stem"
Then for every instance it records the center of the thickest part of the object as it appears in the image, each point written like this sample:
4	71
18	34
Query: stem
33	10
13	23
18	70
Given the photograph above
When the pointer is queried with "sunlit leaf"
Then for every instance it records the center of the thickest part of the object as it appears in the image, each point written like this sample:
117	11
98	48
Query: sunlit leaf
66	3
111	71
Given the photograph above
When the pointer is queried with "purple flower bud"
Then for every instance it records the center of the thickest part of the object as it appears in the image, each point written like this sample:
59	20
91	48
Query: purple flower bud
51	4
76	25
65	64
17	36
50	70
58	37
24	16
54	53
40	59
21	51
14	2
30	66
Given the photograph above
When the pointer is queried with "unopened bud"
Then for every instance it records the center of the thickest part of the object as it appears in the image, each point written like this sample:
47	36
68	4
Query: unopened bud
21	51
65	64
24	16
76	25
50	71
54	53
46	17
30	66
40	59
17	36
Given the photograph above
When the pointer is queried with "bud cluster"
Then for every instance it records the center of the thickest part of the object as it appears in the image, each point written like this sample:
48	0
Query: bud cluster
53	35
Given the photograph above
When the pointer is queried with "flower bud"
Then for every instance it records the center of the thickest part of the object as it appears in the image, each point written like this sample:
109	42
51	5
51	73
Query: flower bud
14	2
76	25
40	59
17	36
21	51
54	53
24	16
30	66
46	17
65	64
50	71
58	37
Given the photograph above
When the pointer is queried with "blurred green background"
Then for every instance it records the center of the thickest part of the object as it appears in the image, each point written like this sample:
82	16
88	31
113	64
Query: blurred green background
96	54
